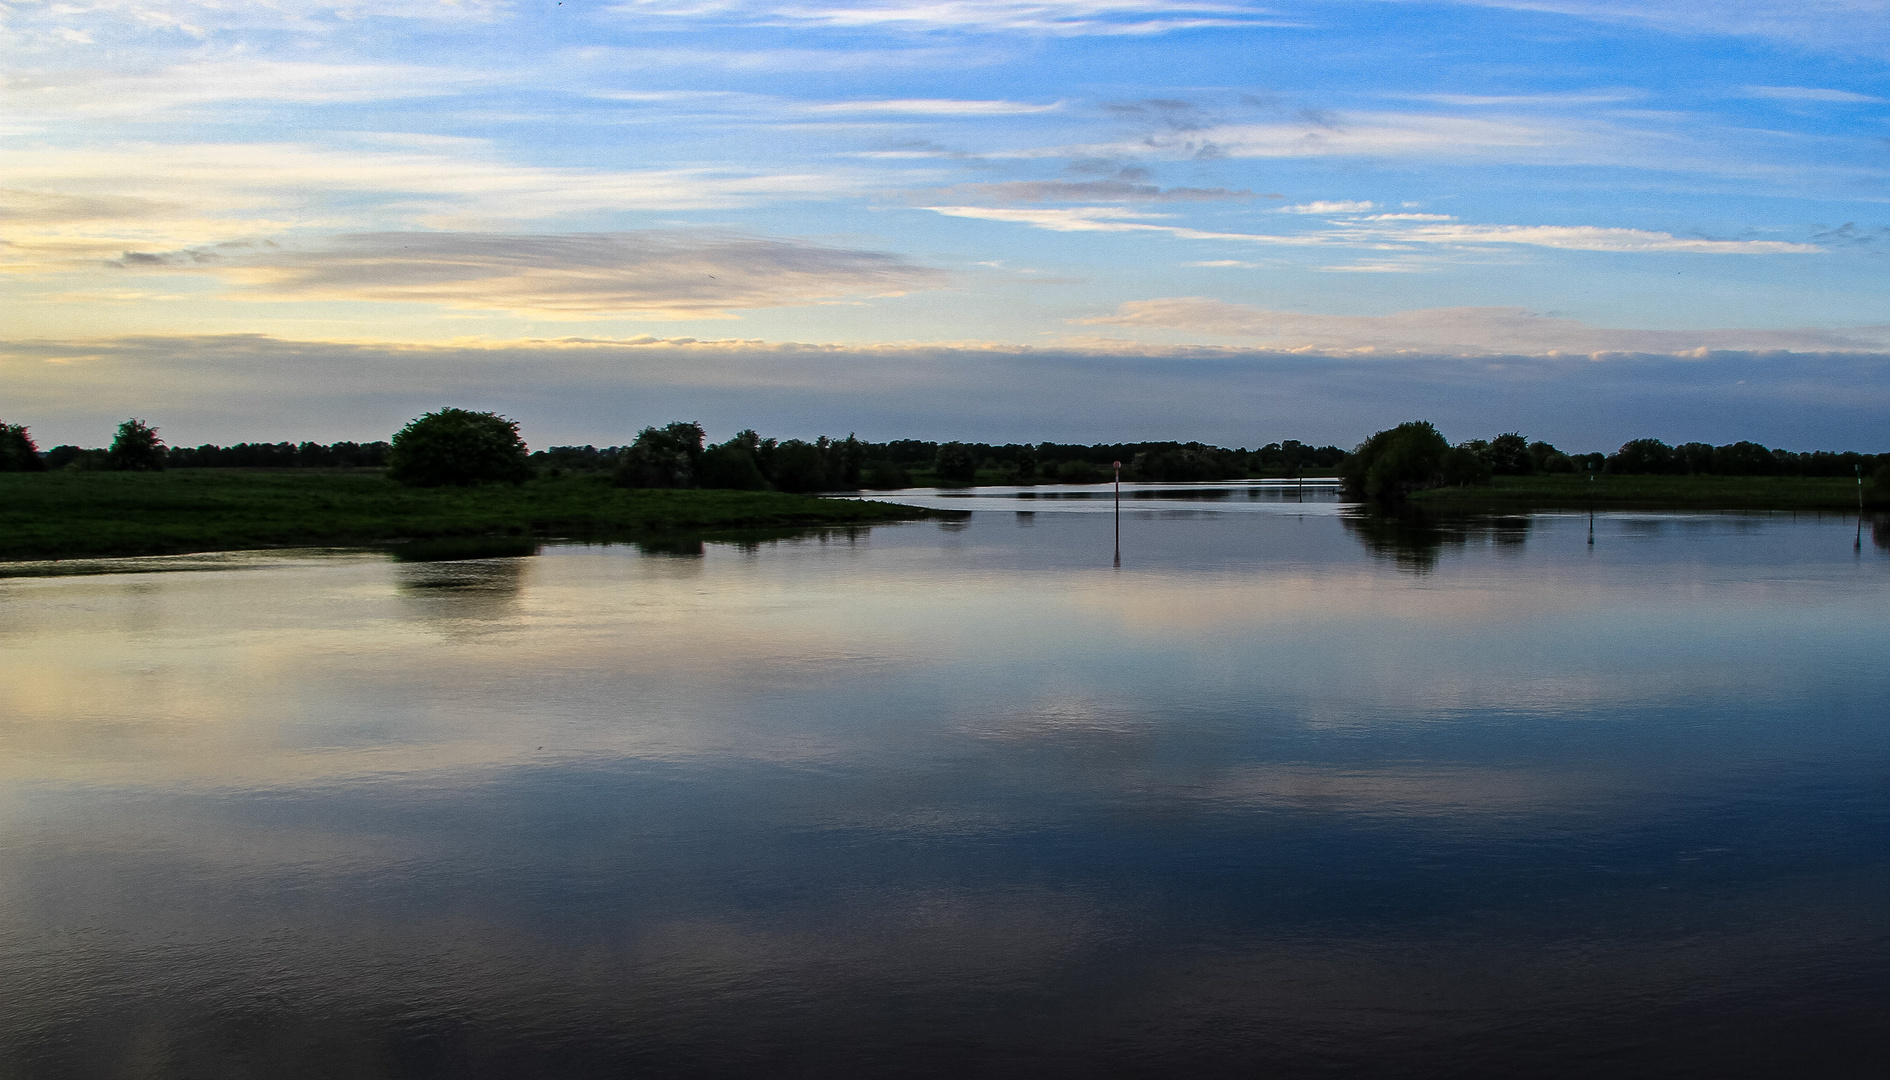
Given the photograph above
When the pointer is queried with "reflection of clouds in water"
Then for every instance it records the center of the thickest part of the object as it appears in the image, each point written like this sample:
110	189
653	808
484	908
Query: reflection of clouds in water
708	805
1083	742
616	972
1416	790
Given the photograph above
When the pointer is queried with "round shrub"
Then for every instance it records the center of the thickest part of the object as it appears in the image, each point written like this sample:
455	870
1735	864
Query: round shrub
458	448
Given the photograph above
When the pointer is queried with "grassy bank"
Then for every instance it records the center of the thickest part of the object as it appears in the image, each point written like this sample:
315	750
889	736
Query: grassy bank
93	514
1507	493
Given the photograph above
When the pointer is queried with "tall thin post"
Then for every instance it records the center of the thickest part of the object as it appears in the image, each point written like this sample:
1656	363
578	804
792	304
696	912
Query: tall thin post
1858	545
1118	466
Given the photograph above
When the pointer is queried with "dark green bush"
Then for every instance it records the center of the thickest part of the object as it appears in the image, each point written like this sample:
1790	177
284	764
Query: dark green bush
458	448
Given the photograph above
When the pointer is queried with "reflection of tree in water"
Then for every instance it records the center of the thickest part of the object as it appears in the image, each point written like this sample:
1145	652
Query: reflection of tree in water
1415	540
462	584
1880	531
692	545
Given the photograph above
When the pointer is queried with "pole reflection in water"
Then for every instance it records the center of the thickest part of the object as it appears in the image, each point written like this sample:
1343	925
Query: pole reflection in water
1118	466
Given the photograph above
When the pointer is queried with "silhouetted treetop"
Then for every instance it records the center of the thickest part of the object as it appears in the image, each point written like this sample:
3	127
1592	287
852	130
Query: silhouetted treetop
458	448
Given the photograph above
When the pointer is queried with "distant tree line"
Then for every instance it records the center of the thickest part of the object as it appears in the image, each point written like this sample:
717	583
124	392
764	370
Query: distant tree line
1415	456
458	446
282	455
1642	456
137	447
674	456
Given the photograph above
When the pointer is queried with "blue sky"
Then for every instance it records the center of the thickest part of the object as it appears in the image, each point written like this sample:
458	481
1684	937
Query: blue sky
985	219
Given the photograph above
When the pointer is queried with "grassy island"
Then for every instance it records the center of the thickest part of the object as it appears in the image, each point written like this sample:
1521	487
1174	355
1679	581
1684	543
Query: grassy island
1611	491
79	514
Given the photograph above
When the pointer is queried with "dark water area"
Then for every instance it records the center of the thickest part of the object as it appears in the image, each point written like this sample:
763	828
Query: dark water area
1291	791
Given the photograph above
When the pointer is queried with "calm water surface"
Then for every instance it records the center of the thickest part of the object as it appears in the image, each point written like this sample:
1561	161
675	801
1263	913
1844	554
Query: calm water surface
1288	792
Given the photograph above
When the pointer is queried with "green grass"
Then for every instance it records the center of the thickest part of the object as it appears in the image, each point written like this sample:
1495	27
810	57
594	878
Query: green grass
1651	493
66	515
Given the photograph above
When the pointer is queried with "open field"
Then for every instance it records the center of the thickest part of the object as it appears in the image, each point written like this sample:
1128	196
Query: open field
93	514
1652	492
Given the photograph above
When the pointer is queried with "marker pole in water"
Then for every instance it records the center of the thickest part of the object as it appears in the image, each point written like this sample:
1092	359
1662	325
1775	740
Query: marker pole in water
1591	504
1859	545
1118	466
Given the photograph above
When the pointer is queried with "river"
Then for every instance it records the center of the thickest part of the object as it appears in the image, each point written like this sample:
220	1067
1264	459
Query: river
1242	781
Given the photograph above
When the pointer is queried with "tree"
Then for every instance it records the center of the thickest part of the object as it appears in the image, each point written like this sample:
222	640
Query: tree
18	453
884	475
1509	455
1465	464
954	463
731	466
458	448
800	466
1026	466
137	448
1395	462
1642	456
1545	458
845	462
665	457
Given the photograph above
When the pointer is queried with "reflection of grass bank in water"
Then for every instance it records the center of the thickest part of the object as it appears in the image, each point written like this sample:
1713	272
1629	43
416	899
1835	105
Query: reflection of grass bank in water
1415	538
65	515
1612	491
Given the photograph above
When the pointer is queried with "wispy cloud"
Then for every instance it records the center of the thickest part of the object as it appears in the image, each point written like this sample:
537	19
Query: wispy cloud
1353	135
1383	230
106	21
1810	93
85	92
1105	219
1596	238
1836	25
1471	331
935	107
1092	191
90	203
1335	207
1571	100
1063	18
661	275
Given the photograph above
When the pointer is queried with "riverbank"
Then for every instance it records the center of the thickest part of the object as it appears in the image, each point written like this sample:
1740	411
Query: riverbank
1516	493
69	515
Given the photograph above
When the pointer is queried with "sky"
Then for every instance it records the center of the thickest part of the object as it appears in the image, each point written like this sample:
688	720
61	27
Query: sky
1096	220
